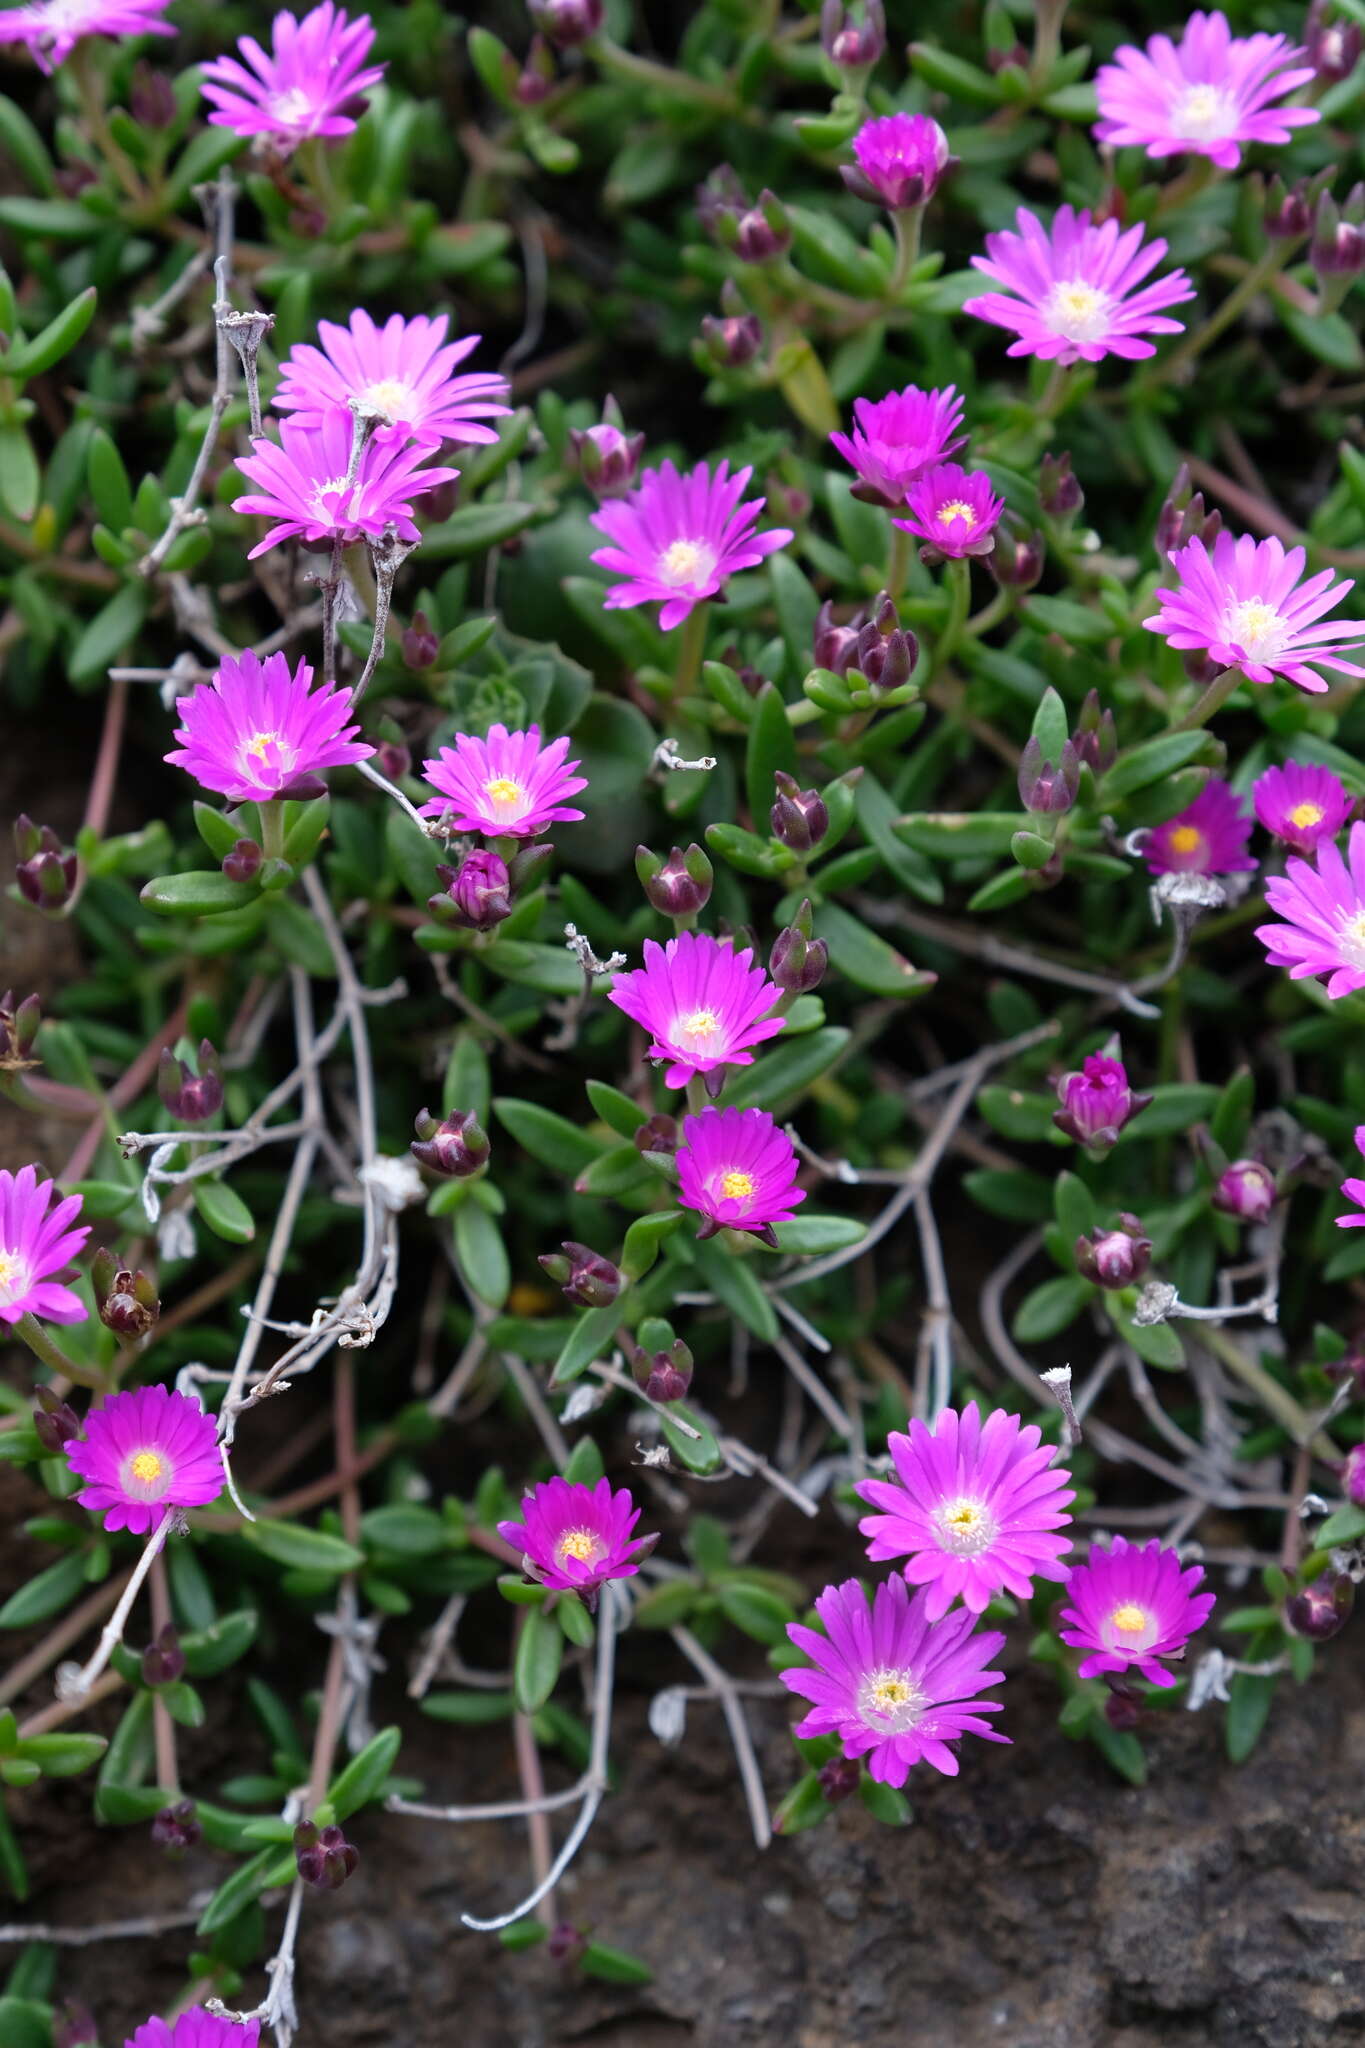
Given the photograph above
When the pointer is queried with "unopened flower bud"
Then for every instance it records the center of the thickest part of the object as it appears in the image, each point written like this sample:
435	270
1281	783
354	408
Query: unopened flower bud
190	1098
679	886
45	874
73	2026
1115	1258
420	643
797	962
763	231
1182	517
323	1856
799	818
163	1662
1046	787
719	198
885	652
733	340
125	1302
1016	561
1095	739
1122	1708
852	44
1059	494
535	81
151	98
565	1943
55	1422
455	1148
243	863
478	893
658	1133
835	646
18	1029
1097	1102
393	759
1353	1475
663	1375
839	1778
1337	249
566	23
1288	213
607	458
176	1828
1246	1190
1333	44
583	1274
1321	1610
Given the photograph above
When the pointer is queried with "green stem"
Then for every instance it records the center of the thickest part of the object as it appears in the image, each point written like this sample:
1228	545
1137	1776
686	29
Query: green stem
990	615
697	1097
691	649
906	223
90	89
1213	699
898	562
959	597
315	164
272	830
644	71
50	1354
1170	368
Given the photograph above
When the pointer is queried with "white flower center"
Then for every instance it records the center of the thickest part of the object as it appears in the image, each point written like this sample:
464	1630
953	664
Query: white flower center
146	1474
293	109
1351	939
695	1031
15	1278
1255	627
267	750
890	1701
327	497
1204	112
1077	311
60	17
1129	1627
392	397
506	798
687	562
584	1546
965	1526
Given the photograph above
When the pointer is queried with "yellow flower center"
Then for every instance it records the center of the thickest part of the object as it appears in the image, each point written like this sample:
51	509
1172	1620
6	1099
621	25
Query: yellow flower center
888	1691
955	509
891	1700
1186	839
145	1467
260	743
965	1526
1306	815
1351	940
1205	112
1254	626
1077	311
1129	1619
701	1024
390	397
9	1268
581	1544
736	1186
687	561
504	793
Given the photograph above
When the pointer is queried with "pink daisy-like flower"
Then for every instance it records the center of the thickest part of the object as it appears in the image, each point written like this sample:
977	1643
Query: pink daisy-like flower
1209	837
1131	1604
402	371
677	537
1208	94
1244	606
901	158
1324	911
52	28
256	729
196	2028
897	438
575	1537
37	1240
738	1169
954	510
703	1004
1302	804
143	1452
1353	1189
304	85
301	484
508	785
894	1686
975	1509
1071	292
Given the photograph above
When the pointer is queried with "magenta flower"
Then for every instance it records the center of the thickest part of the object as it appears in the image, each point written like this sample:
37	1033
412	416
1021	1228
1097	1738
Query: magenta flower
1354	1189
1131	1604
575	1537
901	158
703	1004
196	2028
1071	291
306	84
1324	911
954	510
52	28
301	484
507	785
892	1685
143	1452
37	1241
401	372
1302	804
1097	1102
975	1509
256	729
1247	1190
1209	94
738	1169
897	438
1244	606
677	538
1209	837
1353	1474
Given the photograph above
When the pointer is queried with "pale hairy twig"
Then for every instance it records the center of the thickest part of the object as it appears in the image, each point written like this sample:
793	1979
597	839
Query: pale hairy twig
723	1686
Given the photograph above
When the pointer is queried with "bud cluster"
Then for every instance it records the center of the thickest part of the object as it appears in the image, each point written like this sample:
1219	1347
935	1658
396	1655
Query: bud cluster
454	1148
873	644
126	1302
663	1375
18	1030
1182	517
1044	786
323	1856
679	886
190	1098
798	960
585	1277
46	875
851	43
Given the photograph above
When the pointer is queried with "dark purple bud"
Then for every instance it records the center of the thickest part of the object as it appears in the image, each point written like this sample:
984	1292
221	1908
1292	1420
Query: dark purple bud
126	1302
608	459
1095	739
885	653
1200	667
74	178
658	1134
566	23
1288	210
176	1828
1351	1367
1046	787
663	1375
1353	1475
151	99
536	80
243	864
679	886
420	643
393	759
478	893
46	875
455	1148
836	646
1122	1708
734	340
190	1098
839	1778
797	962
584	1276
720	197
55	1422
73	2026
763	232
18	1030
1182	517
852	44
1333	45
1097	1102
163	1662
566	1943
1115	1258
1338	245
1017	559
1322	1609
799	818
1059	494
324	1857
1247	1190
